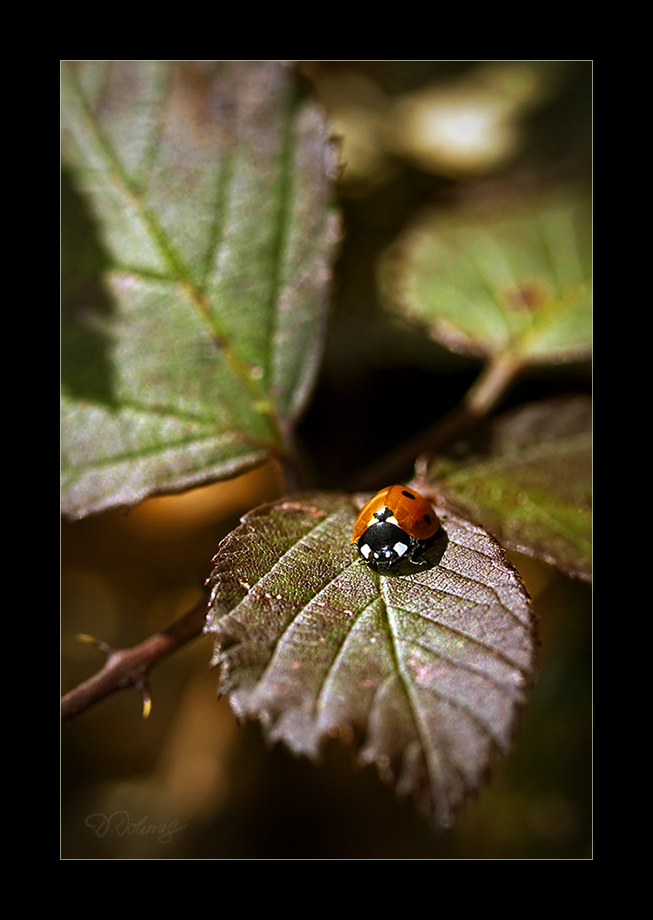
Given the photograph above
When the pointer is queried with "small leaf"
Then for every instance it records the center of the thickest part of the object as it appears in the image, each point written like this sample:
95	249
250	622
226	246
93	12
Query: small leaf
501	282
207	187
531	486
423	669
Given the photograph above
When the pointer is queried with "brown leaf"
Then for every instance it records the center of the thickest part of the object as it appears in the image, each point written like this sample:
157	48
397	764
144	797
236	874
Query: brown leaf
422	669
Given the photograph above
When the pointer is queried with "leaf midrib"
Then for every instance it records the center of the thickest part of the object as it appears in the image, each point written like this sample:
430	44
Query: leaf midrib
178	274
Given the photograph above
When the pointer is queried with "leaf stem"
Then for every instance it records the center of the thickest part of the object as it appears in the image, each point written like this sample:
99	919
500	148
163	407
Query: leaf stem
129	667
290	460
492	384
483	397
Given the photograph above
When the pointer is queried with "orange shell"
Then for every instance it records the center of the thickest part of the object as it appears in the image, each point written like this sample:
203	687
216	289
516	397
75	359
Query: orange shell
413	513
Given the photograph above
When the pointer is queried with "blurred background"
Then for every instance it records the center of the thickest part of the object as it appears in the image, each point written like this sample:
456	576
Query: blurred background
189	782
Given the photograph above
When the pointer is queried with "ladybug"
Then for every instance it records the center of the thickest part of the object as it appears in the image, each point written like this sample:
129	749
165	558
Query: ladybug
397	523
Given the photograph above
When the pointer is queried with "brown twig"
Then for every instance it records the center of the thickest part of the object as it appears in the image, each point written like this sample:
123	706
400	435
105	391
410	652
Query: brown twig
126	668
129	667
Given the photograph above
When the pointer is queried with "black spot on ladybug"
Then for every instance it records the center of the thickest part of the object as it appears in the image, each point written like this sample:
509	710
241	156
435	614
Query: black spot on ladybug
427	518
408	495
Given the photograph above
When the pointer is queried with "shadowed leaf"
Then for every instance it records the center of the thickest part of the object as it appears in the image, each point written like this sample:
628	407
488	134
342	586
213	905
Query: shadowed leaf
207	187
423	669
531	486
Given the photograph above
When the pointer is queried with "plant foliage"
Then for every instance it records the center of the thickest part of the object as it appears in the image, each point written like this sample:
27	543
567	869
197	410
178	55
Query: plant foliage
423	670
209	187
199	198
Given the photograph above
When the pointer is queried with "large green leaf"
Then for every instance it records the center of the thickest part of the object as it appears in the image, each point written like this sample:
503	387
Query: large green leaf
206	188
496	282
422	669
530	481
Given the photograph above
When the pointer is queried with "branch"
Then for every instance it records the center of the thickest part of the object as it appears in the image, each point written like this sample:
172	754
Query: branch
129	667
483	396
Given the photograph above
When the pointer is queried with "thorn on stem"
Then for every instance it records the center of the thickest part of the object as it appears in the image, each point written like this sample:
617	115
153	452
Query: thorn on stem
144	688
98	643
139	684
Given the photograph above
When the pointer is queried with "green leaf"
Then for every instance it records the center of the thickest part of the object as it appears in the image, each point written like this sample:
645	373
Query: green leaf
206	187
499	282
531	484
422	669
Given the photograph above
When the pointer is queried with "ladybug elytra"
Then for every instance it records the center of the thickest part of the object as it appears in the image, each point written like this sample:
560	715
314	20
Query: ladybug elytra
397	523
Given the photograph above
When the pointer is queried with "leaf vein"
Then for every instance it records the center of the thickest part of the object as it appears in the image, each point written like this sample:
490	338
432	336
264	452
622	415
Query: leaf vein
432	756
472	581
461	634
324	689
455	663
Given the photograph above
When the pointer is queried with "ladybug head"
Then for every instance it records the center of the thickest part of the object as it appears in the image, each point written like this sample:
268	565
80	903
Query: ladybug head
385	544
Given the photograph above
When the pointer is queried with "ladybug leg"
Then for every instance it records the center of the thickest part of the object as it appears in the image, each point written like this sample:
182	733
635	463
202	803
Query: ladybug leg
420	547
416	554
